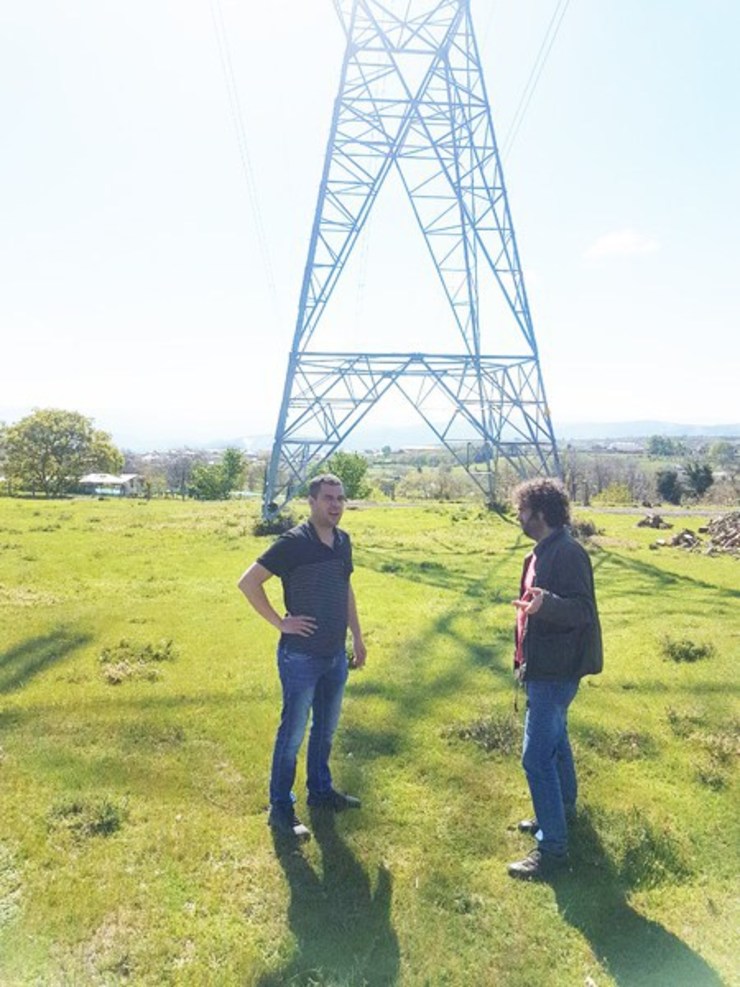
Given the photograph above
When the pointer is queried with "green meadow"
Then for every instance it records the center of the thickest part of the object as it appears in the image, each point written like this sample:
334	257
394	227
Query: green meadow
138	704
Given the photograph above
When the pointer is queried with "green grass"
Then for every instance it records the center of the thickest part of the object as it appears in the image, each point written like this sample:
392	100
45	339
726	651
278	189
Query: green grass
133	844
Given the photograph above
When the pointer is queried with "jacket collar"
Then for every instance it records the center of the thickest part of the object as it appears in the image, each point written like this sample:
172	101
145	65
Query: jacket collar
546	542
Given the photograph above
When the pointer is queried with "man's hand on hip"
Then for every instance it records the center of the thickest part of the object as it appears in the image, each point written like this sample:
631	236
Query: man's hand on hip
300	625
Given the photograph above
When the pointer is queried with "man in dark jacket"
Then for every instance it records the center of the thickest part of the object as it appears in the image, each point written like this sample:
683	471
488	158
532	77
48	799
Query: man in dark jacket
558	641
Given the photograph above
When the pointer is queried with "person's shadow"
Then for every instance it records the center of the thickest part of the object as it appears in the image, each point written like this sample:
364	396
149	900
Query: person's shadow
636	951
343	929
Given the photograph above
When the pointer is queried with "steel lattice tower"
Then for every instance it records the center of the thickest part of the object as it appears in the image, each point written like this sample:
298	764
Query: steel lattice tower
412	99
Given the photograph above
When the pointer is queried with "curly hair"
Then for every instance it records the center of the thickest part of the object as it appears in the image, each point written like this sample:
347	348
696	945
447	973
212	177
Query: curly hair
546	496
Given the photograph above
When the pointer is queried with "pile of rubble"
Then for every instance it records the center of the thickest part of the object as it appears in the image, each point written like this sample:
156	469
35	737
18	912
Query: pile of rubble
723	531
653	521
683	539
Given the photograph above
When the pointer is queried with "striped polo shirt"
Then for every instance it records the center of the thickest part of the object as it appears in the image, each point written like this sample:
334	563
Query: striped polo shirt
315	582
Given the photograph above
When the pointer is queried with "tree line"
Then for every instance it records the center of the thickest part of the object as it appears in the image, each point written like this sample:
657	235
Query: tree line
50	450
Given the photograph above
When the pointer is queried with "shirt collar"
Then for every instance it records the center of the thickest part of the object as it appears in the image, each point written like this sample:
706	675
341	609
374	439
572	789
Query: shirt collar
338	535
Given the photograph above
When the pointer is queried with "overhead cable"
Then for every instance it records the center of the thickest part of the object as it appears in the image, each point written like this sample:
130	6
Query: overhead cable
241	138
534	76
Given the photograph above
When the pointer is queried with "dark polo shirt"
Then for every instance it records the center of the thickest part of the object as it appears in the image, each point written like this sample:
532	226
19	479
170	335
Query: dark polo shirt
315	582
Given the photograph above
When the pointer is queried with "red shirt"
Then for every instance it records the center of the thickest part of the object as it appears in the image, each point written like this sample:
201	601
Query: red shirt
521	617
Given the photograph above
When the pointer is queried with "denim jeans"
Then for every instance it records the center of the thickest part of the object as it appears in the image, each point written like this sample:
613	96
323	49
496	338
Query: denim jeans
548	760
309	685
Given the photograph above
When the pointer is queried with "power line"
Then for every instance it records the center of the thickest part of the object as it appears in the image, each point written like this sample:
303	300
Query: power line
237	118
534	76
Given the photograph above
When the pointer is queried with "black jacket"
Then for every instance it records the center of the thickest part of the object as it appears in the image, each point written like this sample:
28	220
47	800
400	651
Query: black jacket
563	639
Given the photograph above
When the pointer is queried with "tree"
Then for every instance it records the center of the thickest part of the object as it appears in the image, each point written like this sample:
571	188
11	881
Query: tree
699	477
216	481
233	465
351	469
723	453
669	486
3	433
661	445
179	467
50	450
439	483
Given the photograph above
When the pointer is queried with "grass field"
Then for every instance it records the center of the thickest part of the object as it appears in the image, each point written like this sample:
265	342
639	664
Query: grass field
138	704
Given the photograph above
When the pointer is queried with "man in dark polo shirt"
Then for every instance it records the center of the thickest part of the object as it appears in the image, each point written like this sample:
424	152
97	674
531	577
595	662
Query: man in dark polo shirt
314	563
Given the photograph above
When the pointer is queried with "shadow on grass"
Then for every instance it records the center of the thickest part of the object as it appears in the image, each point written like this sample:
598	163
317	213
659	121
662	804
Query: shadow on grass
636	951
460	576
342	928
20	663
659	578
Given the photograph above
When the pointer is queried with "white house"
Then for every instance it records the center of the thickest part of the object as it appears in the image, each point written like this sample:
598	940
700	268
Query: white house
112	485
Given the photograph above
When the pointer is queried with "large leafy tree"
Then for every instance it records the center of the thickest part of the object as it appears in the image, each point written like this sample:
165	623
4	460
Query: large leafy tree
699	477
233	465
49	450
669	486
662	445
216	481
724	453
351	469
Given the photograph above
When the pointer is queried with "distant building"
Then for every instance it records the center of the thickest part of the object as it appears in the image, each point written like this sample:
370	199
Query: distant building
112	485
625	447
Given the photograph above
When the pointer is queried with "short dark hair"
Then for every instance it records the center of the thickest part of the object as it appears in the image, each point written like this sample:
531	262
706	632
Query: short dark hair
317	481
545	496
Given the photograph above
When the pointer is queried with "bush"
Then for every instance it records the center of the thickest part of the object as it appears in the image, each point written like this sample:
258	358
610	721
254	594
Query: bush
276	525
499	732
648	855
669	486
699	477
81	818
127	660
583	529
614	493
618	745
684	649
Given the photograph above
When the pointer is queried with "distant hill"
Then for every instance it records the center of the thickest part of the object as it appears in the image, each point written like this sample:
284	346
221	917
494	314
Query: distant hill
642	429
418	434
375	437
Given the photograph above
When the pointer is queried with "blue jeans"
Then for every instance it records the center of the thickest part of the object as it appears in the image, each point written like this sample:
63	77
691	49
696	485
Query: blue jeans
548	760
309	684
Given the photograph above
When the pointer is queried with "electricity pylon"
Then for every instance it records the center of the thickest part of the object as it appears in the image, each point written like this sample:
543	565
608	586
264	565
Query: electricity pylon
412	100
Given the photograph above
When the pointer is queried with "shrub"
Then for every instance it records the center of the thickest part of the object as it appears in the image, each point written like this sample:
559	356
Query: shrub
618	745
583	529
669	486
81	818
645	855
276	525
684	724
614	493
499	732
684	649
127	660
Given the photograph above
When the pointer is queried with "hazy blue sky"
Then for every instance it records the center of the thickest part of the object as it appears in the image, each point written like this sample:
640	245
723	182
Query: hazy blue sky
135	286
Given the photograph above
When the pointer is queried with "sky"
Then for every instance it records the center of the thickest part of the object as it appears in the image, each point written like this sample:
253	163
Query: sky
154	222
